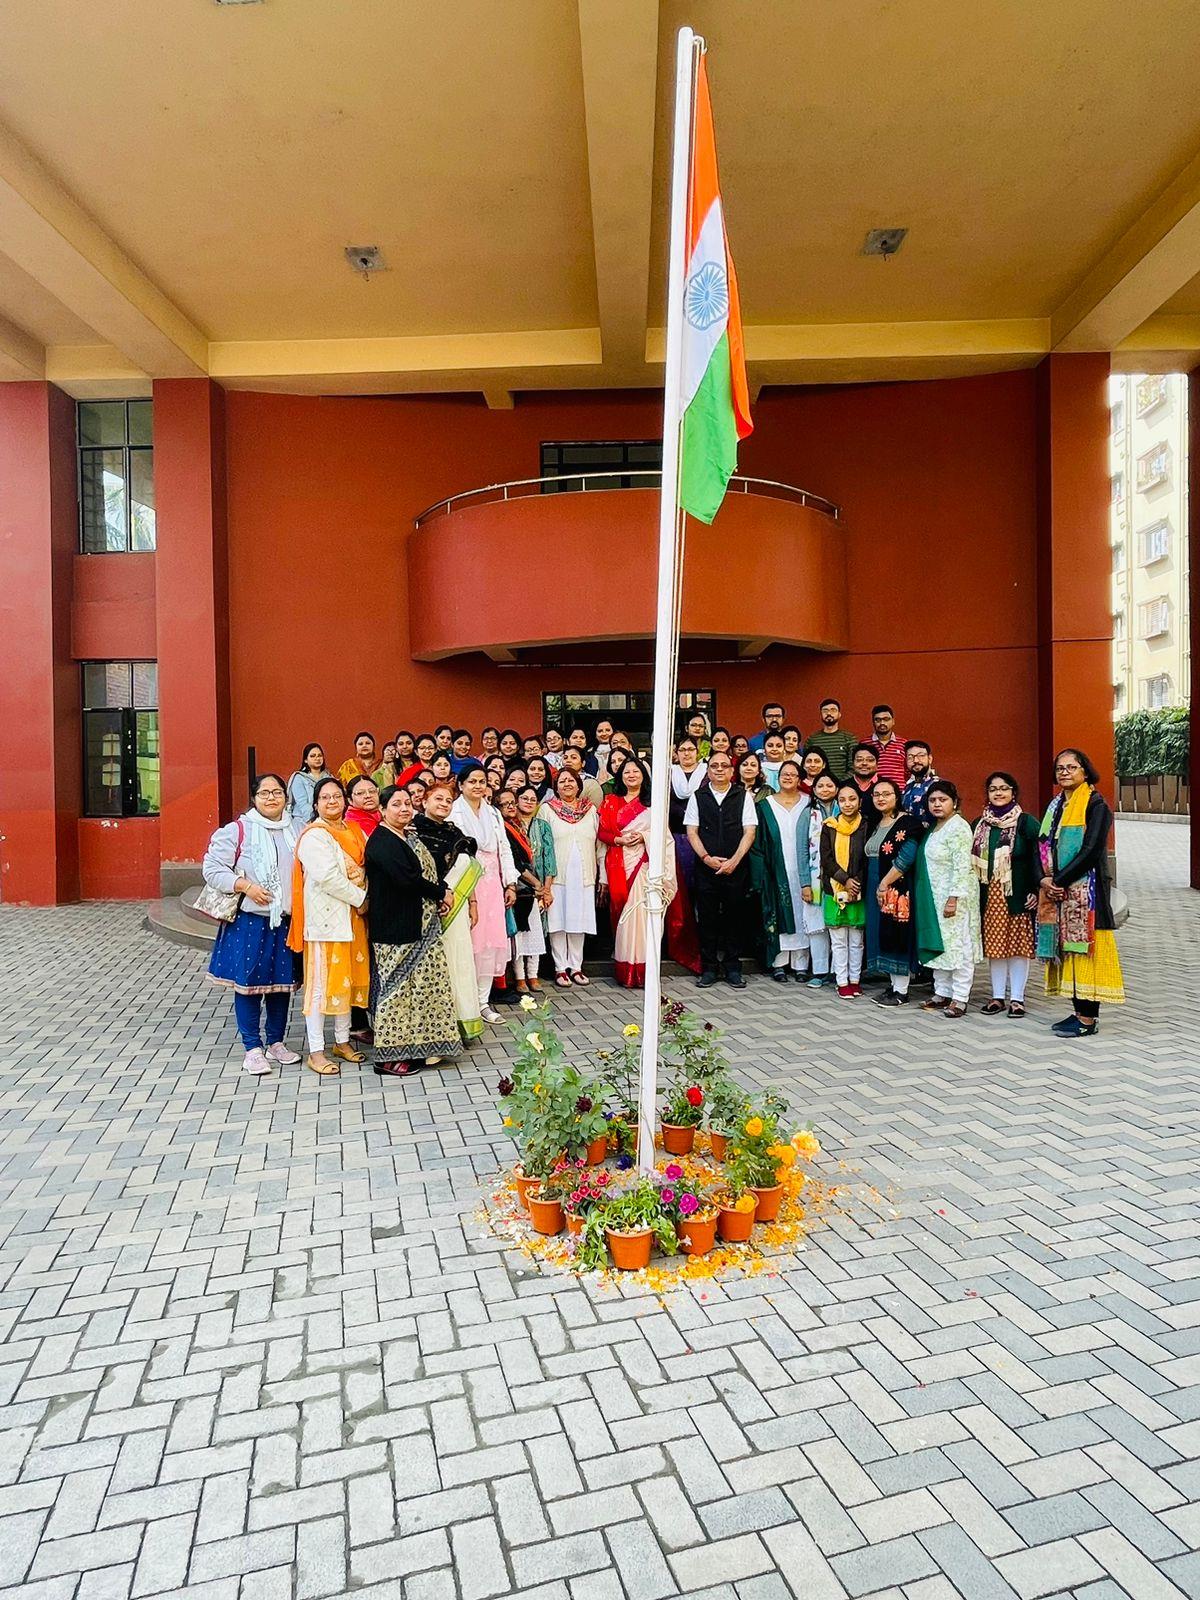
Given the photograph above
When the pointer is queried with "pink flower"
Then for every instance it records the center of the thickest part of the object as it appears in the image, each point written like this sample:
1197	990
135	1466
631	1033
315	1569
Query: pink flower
668	1197
688	1203
674	1172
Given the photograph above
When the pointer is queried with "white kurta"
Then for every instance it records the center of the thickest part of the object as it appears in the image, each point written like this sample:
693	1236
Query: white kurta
948	861
810	851
573	909
788	822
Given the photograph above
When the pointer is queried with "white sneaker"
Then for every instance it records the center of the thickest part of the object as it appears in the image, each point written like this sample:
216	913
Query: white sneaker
280	1052
490	1014
256	1063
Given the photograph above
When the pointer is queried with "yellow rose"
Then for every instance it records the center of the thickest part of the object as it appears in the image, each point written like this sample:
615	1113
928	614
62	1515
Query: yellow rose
806	1144
754	1127
631	1030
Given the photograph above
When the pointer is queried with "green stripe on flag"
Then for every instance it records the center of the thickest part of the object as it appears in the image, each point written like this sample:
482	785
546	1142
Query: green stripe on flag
709	439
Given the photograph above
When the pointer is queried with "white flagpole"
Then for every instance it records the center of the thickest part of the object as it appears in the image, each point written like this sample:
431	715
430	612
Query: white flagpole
686	55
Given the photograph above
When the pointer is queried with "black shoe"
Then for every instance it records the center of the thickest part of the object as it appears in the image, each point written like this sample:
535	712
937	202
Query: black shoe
706	980
506	997
734	978
779	974
889	997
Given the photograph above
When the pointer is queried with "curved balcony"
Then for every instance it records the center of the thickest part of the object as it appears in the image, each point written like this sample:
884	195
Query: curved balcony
770	570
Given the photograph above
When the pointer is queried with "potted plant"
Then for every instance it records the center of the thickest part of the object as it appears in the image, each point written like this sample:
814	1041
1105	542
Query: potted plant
546	1109
681	1117
582	1191
761	1159
735	1212
691	1209
726	1107
619	1078
626	1226
592	1125
691	1046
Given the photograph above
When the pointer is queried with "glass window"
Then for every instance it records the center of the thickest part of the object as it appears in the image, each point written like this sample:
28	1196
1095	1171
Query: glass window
1154	467
121	772
116	476
1156	692
1154	542
1118	486
1150	392
1154	618
598	463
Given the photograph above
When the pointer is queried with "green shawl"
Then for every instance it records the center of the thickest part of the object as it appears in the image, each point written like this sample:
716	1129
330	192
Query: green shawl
768	875
929	931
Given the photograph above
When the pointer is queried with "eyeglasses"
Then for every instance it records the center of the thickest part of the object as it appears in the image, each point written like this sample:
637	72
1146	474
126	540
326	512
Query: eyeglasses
1068	766
271	794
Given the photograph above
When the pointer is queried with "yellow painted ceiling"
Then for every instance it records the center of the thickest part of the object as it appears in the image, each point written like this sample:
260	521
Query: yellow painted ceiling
178	180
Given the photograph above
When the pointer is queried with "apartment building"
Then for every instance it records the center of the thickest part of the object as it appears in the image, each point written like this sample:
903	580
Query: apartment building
1151	654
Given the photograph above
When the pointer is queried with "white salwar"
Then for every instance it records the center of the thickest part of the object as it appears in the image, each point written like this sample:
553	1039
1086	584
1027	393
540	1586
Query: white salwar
793	838
572	913
948	862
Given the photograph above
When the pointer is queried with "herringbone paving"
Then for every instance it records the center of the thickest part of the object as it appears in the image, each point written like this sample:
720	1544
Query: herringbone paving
255	1345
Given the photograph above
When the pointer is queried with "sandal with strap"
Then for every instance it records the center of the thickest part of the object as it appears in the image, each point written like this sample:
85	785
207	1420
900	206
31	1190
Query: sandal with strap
993	1008
563	980
323	1067
581	979
347	1052
954	1010
1016	1008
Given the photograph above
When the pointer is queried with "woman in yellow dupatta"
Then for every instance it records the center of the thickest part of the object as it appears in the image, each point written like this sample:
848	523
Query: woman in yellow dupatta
328	889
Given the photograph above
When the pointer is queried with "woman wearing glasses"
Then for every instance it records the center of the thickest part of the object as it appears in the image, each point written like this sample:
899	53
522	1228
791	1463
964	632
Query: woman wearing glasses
253	858
1074	910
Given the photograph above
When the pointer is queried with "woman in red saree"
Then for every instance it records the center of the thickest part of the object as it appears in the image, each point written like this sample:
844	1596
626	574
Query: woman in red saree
625	829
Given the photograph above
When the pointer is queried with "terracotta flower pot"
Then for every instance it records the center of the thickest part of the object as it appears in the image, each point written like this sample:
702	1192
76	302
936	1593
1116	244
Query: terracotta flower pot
575	1223
546	1215
719	1143
734	1226
769	1202
678	1140
629	1250
697	1233
597	1150
524	1185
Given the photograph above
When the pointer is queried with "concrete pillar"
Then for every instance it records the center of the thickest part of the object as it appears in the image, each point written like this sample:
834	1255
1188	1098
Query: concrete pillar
191	582
40	776
1193	508
1074	566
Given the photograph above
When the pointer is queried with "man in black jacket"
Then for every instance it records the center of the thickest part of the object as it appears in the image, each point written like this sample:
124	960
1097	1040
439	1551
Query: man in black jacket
720	820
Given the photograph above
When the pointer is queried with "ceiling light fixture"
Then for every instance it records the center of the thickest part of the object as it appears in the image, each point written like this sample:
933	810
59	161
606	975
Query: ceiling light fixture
365	258
884	241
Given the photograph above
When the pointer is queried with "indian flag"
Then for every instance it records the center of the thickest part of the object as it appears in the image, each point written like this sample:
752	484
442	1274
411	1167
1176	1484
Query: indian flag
716	398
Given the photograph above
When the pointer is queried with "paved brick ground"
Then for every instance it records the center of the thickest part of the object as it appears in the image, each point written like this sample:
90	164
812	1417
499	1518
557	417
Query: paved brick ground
254	1348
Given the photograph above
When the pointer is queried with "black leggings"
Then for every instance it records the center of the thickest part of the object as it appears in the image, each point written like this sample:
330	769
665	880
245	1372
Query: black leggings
1087	1008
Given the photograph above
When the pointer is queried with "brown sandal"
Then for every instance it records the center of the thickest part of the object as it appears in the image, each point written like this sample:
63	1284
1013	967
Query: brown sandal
935	1004
347	1052
323	1067
993	1007
1016	1008
954	1010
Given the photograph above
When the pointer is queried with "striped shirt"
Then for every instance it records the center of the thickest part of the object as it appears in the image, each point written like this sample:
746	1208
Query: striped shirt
891	758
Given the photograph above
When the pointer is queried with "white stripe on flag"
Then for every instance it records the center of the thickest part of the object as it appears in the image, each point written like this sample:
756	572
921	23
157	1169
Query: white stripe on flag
705	301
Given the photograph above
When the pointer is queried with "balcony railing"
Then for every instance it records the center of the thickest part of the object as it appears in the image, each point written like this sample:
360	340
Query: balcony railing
648	478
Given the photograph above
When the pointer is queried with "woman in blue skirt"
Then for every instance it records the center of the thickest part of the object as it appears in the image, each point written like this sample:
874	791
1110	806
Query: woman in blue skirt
252	857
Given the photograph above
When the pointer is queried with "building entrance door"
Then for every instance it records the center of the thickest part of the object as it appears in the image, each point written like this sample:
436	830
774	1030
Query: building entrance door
631	711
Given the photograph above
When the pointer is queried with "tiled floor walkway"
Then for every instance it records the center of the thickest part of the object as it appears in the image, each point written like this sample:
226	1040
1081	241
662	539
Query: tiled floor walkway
255	1347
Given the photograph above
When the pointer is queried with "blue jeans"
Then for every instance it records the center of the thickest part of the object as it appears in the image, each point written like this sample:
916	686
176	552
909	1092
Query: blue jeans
247	1009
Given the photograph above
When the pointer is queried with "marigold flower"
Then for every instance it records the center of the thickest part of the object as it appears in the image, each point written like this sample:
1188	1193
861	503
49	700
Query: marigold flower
695	1096
631	1030
784	1154
528	1003
747	1202
754	1127
805	1143
534	1039
673	1171
508	1122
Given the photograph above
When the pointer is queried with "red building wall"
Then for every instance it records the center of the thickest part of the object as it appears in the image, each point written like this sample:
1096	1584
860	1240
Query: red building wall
937	484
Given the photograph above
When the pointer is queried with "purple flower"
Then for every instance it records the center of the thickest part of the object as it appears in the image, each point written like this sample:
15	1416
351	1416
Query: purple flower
624	1163
668	1197
674	1172
688	1203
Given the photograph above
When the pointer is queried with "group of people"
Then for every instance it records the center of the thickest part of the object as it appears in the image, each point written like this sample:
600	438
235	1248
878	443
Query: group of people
421	885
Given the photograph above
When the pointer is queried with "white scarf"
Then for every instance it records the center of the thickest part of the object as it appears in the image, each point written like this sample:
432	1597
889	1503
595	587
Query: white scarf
684	784
261	854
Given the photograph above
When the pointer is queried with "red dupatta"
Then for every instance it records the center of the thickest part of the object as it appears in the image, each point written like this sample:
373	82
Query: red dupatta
615	816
